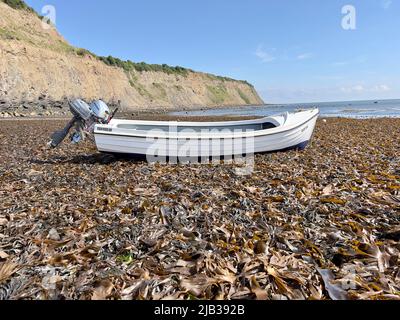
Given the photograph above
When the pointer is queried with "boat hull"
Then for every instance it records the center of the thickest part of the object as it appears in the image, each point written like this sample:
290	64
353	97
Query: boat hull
193	145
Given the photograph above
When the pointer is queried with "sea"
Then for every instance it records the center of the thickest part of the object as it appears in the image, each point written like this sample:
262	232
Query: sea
343	109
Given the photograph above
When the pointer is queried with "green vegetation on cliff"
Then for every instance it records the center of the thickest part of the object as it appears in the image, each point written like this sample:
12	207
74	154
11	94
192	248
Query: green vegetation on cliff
20	5
243	96
220	78
218	94
142	66
8	34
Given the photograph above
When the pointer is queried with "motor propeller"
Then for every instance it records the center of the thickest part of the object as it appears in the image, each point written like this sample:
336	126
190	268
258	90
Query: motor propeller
59	136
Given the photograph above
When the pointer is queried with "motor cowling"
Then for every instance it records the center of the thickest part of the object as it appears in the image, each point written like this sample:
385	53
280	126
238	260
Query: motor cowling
100	110
80	109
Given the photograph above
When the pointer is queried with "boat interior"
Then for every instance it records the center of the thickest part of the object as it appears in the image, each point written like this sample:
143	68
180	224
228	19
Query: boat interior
261	124
199	128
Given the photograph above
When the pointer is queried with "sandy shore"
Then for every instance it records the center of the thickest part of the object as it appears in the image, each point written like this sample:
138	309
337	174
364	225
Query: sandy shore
319	224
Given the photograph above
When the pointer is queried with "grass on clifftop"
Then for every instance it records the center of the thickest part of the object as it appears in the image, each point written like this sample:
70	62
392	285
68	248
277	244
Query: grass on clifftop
220	78
142	66
20	5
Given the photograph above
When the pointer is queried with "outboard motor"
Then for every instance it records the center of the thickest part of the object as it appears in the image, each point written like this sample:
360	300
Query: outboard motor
84	119
101	111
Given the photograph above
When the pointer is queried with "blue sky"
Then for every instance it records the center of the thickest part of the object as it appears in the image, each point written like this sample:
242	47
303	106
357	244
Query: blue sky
292	51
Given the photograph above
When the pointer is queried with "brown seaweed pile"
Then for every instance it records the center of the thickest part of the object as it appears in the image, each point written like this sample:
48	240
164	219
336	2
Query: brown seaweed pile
318	224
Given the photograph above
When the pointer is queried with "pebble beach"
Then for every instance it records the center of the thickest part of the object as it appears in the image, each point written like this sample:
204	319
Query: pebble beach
318	224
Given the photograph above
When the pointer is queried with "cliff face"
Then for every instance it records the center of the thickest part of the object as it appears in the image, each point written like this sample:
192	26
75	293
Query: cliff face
39	68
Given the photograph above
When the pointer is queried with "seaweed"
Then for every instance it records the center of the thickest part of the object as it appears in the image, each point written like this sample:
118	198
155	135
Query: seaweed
318	224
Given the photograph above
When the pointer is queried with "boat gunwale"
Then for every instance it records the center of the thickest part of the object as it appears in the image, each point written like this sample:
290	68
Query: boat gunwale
197	124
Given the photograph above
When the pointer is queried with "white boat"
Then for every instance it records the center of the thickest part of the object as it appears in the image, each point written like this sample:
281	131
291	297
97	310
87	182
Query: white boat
191	140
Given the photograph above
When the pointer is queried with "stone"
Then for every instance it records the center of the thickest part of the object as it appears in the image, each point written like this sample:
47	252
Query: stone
53	235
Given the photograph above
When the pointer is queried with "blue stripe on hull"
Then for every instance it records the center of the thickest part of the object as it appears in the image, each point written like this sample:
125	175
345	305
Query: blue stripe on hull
301	146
